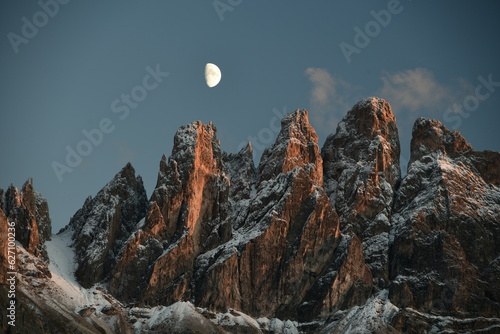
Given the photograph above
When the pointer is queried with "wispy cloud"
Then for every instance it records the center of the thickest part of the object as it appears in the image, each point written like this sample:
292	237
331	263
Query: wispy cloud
324	86
330	98
411	93
414	89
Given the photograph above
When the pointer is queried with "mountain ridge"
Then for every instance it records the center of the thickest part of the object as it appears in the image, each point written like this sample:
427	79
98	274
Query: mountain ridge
332	238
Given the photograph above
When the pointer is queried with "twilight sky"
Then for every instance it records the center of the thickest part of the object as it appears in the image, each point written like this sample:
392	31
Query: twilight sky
134	71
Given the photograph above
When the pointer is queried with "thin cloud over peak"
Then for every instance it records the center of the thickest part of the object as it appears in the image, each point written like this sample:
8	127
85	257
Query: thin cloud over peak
414	89
330	97
323	86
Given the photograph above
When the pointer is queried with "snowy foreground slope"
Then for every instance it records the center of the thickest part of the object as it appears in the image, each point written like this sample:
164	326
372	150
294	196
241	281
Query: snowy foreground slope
103	313
314	239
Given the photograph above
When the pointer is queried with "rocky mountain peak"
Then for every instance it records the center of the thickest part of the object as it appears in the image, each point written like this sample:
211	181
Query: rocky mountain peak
30	211
196	148
447	202
431	136
295	147
247	152
127	173
104	222
196	143
188	214
194	165
361	171
372	116
367	134
11	199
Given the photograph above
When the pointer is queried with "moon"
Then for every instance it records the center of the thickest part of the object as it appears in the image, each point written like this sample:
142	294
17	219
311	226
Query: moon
212	75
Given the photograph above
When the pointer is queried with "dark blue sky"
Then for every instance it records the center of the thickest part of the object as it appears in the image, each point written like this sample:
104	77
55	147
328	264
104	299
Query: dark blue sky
72	71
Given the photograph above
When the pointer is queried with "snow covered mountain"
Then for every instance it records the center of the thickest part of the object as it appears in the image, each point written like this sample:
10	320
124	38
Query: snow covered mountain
313	240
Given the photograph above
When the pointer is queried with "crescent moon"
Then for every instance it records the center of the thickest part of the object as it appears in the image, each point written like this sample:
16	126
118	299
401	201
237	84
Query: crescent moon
212	75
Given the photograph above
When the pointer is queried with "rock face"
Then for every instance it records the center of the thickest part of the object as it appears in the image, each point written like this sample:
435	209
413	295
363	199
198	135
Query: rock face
33	314
4	256
193	201
39	307
307	234
30	212
347	283
242	176
225	235
446	227
288	238
361	166
104	222
188	216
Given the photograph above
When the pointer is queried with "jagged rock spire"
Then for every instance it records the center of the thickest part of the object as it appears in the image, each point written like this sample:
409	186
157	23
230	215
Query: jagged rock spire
295	147
361	167
104	222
